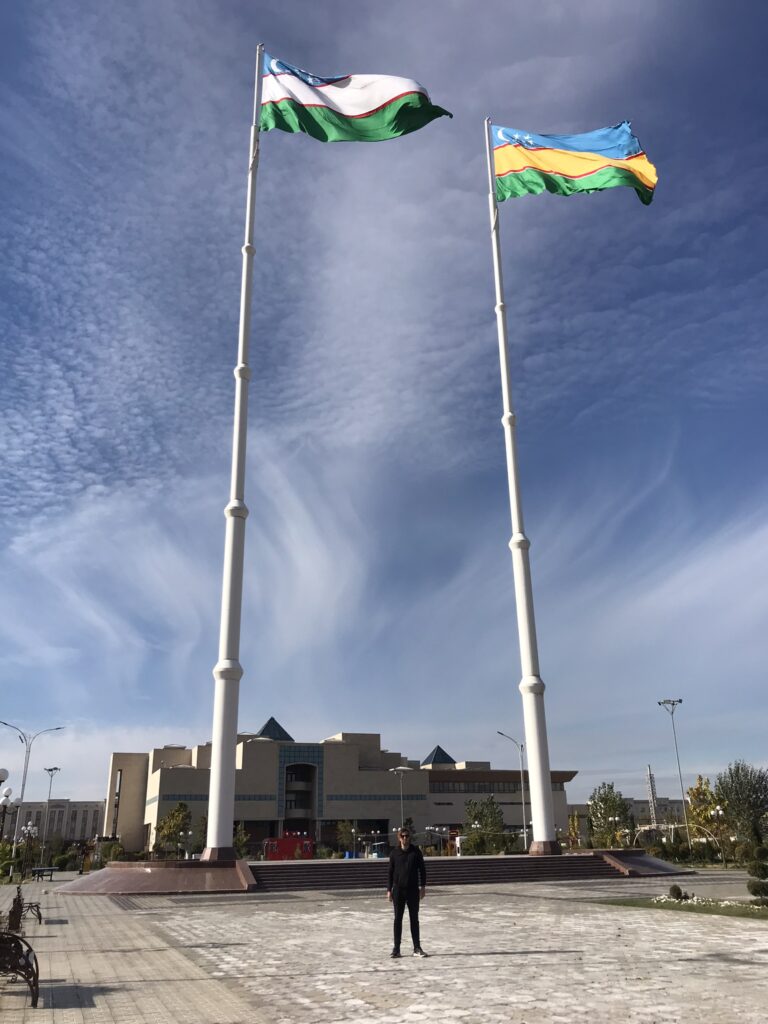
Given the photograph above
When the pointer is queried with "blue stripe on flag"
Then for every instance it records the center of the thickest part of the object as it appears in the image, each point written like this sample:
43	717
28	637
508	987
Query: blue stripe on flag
273	66
617	142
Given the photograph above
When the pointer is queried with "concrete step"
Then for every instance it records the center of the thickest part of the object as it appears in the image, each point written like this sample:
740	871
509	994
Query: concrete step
285	876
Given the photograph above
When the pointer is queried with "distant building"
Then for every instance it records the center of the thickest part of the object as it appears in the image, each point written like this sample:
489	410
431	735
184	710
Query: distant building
283	786
668	812
69	820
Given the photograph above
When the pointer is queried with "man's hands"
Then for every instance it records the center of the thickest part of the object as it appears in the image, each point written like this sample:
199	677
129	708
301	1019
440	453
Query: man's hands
389	895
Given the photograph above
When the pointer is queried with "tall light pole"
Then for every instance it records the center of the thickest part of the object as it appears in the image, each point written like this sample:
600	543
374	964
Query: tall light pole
27	739
671	706
401	770
50	772
522	783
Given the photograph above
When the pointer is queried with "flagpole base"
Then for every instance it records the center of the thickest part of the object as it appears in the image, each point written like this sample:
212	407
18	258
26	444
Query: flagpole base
544	848
218	853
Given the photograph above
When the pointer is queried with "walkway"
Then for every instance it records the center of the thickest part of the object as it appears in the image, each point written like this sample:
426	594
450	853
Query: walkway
523	954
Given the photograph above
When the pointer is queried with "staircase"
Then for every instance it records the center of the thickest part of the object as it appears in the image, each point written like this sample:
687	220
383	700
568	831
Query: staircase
287	876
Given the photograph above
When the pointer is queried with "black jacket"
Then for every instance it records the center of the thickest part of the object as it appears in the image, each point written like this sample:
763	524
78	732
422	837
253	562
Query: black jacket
406	869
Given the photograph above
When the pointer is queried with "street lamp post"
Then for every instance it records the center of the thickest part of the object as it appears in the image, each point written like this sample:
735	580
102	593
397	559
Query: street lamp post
29	833
717	816
51	772
185	840
400	771
671	706
27	739
437	832
614	822
520	748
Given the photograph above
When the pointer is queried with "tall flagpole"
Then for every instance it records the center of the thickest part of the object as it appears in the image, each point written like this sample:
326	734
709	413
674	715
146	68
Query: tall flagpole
228	671
531	685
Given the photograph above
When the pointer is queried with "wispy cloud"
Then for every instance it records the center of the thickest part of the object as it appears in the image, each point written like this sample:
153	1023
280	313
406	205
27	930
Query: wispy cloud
377	571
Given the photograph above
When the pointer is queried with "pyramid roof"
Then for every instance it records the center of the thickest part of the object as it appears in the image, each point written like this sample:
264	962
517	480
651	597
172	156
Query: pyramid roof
272	730
438	756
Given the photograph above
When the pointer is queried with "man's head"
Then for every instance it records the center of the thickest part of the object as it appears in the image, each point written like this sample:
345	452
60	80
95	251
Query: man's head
404	838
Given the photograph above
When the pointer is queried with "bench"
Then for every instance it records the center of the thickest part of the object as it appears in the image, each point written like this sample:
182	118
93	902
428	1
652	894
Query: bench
20	909
32	910
38	874
18	960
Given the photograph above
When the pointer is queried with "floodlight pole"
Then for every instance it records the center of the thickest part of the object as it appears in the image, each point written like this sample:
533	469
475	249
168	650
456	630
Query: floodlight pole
671	706
400	771
51	772
522	784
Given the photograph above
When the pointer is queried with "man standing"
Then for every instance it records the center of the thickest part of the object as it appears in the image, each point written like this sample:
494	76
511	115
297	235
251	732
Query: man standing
407	885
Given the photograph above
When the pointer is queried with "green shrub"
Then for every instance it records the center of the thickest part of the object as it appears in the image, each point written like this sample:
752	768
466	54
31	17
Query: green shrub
757	885
62	861
675	892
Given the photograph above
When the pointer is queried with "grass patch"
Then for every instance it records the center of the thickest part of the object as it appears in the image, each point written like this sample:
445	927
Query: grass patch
726	909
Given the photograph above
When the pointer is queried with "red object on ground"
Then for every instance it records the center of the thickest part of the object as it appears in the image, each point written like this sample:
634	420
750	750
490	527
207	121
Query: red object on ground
289	848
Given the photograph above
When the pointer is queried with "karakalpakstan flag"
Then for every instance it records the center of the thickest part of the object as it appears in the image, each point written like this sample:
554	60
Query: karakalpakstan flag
345	108
527	163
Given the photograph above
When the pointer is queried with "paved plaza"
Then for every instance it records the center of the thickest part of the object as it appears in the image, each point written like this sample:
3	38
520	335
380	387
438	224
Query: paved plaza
519	953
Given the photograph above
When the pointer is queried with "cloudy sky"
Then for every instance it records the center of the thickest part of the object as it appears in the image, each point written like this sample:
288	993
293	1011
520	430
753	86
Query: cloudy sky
378	593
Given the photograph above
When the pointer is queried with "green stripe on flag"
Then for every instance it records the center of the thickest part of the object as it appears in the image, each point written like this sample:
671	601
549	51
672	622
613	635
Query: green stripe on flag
531	182
400	117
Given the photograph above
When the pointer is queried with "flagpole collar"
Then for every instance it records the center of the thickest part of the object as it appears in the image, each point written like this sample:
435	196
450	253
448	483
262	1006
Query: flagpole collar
236	509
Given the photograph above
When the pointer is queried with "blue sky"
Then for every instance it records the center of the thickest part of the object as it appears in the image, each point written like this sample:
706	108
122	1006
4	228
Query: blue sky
378	591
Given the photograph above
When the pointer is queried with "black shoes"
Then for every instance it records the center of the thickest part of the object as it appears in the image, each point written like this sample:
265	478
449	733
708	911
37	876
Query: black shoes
395	954
420	952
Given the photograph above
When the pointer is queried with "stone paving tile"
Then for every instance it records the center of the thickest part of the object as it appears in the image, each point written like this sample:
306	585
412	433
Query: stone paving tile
497	955
102	965
516	953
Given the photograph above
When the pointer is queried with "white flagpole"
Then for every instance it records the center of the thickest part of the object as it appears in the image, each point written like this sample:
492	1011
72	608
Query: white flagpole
228	671
531	685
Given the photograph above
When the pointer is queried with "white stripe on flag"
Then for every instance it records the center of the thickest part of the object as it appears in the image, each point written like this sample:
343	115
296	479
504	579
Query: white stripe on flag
352	97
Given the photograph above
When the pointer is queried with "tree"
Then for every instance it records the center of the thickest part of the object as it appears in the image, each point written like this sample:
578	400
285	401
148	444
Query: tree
344	835
201	834
758	883
742	790
483	827
241	840
701	803
608	815
168	828
574	830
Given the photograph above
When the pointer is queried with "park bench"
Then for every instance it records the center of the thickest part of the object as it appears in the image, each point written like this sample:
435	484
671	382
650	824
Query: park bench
20	909
18	960
38	874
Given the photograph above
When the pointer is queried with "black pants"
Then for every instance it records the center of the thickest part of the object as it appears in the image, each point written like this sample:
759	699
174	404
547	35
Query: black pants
399	900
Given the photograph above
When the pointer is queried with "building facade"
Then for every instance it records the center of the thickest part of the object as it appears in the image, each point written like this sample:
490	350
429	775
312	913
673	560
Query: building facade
307	788
68	820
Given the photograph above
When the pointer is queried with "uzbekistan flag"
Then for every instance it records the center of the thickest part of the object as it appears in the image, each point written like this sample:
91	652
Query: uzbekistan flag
563	164
346	108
